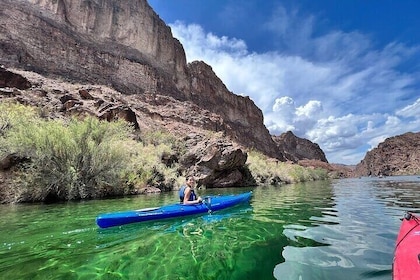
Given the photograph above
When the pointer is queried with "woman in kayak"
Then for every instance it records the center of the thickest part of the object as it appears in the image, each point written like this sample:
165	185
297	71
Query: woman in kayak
187	194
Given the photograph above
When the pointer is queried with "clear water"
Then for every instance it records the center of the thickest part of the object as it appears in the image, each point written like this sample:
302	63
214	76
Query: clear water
344	229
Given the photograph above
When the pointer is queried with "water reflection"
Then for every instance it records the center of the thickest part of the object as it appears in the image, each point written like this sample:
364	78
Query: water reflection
361	236
398	192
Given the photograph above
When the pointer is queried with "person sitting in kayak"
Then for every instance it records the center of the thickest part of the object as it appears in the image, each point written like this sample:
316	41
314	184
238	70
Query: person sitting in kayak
187	194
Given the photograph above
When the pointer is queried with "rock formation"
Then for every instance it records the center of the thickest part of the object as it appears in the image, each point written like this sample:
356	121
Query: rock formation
12	80
398	155
219	163
295	148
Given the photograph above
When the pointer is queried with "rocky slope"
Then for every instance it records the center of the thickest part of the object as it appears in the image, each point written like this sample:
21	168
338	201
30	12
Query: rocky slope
215	160
398	155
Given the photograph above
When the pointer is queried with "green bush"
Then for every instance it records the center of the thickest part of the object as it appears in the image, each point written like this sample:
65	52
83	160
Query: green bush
149	168
13	115
74	160
81	159
272	172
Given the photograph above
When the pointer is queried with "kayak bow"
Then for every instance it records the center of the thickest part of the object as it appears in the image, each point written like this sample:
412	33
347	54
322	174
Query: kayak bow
406	265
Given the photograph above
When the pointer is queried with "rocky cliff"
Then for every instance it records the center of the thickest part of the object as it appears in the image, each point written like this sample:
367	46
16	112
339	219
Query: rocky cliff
295	148
398	155
124	45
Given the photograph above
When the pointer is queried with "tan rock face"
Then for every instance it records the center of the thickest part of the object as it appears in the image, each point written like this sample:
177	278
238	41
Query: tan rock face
118	43
398	155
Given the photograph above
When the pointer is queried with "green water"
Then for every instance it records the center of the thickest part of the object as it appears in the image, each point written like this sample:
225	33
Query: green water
343	229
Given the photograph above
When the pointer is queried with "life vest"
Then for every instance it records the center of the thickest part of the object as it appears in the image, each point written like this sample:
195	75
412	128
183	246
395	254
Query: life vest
182	194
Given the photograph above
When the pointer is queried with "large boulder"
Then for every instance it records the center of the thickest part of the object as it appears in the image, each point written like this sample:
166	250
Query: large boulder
295	148
215	162
9	79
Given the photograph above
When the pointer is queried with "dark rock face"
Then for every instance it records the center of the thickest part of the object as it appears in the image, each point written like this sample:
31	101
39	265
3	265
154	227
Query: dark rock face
295	148
239	113
398	155
11	80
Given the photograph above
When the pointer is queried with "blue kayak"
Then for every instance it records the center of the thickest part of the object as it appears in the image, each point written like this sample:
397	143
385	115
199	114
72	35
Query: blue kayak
210	204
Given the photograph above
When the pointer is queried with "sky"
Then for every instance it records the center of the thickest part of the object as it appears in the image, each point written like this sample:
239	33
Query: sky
344	74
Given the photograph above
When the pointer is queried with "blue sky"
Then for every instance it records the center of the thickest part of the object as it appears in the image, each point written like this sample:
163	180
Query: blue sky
344	74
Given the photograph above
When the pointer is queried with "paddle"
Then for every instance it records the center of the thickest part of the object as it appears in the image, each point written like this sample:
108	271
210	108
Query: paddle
207	202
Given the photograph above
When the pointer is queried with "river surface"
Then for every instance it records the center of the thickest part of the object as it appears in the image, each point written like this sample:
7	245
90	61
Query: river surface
341	229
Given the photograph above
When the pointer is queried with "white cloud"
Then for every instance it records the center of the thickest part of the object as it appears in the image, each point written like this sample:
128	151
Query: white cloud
283	113
284	105
334	89
309	110
412	110
286	116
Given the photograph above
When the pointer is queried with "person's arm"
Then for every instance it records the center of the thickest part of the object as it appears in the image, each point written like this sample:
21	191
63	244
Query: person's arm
187	194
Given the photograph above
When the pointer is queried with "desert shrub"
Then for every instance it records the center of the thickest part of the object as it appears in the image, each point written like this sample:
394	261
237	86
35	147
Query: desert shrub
80	159
270	171
157	137
266	171
319	174
167	141
73	160
13	115
148	168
